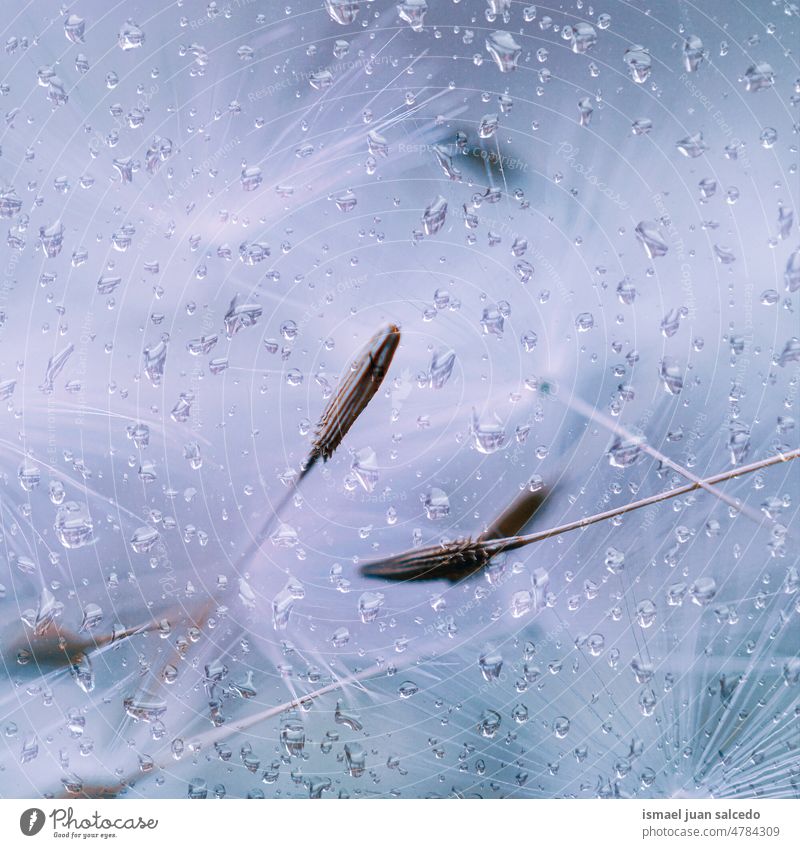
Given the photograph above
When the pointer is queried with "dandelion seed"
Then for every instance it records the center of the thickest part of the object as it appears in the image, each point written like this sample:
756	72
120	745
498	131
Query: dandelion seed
463	558
357	390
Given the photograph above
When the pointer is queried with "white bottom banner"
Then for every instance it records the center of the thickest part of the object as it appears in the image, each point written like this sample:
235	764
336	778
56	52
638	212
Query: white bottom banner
567	823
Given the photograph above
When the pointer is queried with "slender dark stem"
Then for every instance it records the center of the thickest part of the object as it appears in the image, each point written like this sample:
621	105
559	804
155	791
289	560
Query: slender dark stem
515	542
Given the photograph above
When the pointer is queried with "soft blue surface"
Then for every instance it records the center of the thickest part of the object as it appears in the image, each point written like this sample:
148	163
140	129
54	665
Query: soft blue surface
724	690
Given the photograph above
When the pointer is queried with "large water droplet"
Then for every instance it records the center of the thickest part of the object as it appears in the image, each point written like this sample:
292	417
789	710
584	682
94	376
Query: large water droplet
504	50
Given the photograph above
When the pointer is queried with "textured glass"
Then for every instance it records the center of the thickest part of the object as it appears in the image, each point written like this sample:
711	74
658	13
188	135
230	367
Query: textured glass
295	290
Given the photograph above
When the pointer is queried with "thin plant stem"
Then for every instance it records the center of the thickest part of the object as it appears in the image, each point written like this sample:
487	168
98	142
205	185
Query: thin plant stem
515	542
583	408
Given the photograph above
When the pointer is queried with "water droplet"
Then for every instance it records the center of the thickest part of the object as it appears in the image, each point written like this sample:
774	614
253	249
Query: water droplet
144	539
155	359
583	38
651	239
488	437
692	146
130	36
645	613
504	50
490	663
240	315
74	28
74	527
434	216
346	201
436	504
703	591
365	468
369	605
144	708
251	178
407	689
625	452
738	442
355	756
489	723
671	375
561	726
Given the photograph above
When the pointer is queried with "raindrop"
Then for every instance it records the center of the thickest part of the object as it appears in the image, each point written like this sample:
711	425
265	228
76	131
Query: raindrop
413	13
703	591
561	726
434	216
651	239
645	613
759	76
504	50
74	527
693	53
639	63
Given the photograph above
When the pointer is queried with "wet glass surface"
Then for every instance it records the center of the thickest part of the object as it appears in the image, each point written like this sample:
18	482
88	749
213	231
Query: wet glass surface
579	220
